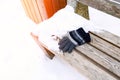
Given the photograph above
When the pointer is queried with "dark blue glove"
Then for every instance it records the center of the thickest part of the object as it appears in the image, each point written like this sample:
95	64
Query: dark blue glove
72	39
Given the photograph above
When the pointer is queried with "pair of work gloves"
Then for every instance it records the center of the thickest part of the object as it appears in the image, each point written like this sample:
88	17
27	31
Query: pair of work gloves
73	39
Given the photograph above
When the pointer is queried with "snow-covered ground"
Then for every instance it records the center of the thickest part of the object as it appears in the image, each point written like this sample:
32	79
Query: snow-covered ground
22	59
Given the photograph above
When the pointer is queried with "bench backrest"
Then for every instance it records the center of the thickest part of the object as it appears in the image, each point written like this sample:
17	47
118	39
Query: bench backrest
111	7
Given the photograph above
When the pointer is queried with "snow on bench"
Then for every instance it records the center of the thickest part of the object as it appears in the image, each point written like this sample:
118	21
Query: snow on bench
98	60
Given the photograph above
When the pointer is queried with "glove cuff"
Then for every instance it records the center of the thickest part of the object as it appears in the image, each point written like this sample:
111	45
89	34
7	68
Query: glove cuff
76	37
80	36
84	35
72	39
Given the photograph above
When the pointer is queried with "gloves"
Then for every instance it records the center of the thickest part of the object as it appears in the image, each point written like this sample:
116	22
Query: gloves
72	39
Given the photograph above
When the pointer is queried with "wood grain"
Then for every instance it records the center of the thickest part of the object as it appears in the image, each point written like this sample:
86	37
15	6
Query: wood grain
31	7
41	9
101	58
105	46
48	7
36	11
27	9
92	60
86	66
113	39
107	6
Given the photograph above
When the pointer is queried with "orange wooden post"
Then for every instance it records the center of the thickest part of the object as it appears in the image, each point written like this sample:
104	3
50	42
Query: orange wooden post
56	5
36	11
62	3
49	7
27	9
42	9
39	10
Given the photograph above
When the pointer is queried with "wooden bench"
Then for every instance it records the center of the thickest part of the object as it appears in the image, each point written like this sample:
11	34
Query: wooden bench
100	59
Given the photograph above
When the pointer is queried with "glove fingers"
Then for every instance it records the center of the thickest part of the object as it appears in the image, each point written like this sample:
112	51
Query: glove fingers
66	48
62	40
71	48
62	45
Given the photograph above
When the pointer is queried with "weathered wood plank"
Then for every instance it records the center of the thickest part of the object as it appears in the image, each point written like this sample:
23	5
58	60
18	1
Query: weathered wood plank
91	62
108	6
113	39
101	58
105	46
87	67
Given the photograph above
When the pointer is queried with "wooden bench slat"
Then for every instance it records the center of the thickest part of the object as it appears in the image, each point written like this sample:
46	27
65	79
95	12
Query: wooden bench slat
105	46
101	58
114	39
86	67
91	61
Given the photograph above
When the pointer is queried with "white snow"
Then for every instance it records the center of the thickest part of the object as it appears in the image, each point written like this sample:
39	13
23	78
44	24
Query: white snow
22	59
59	24
66	20
105	21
